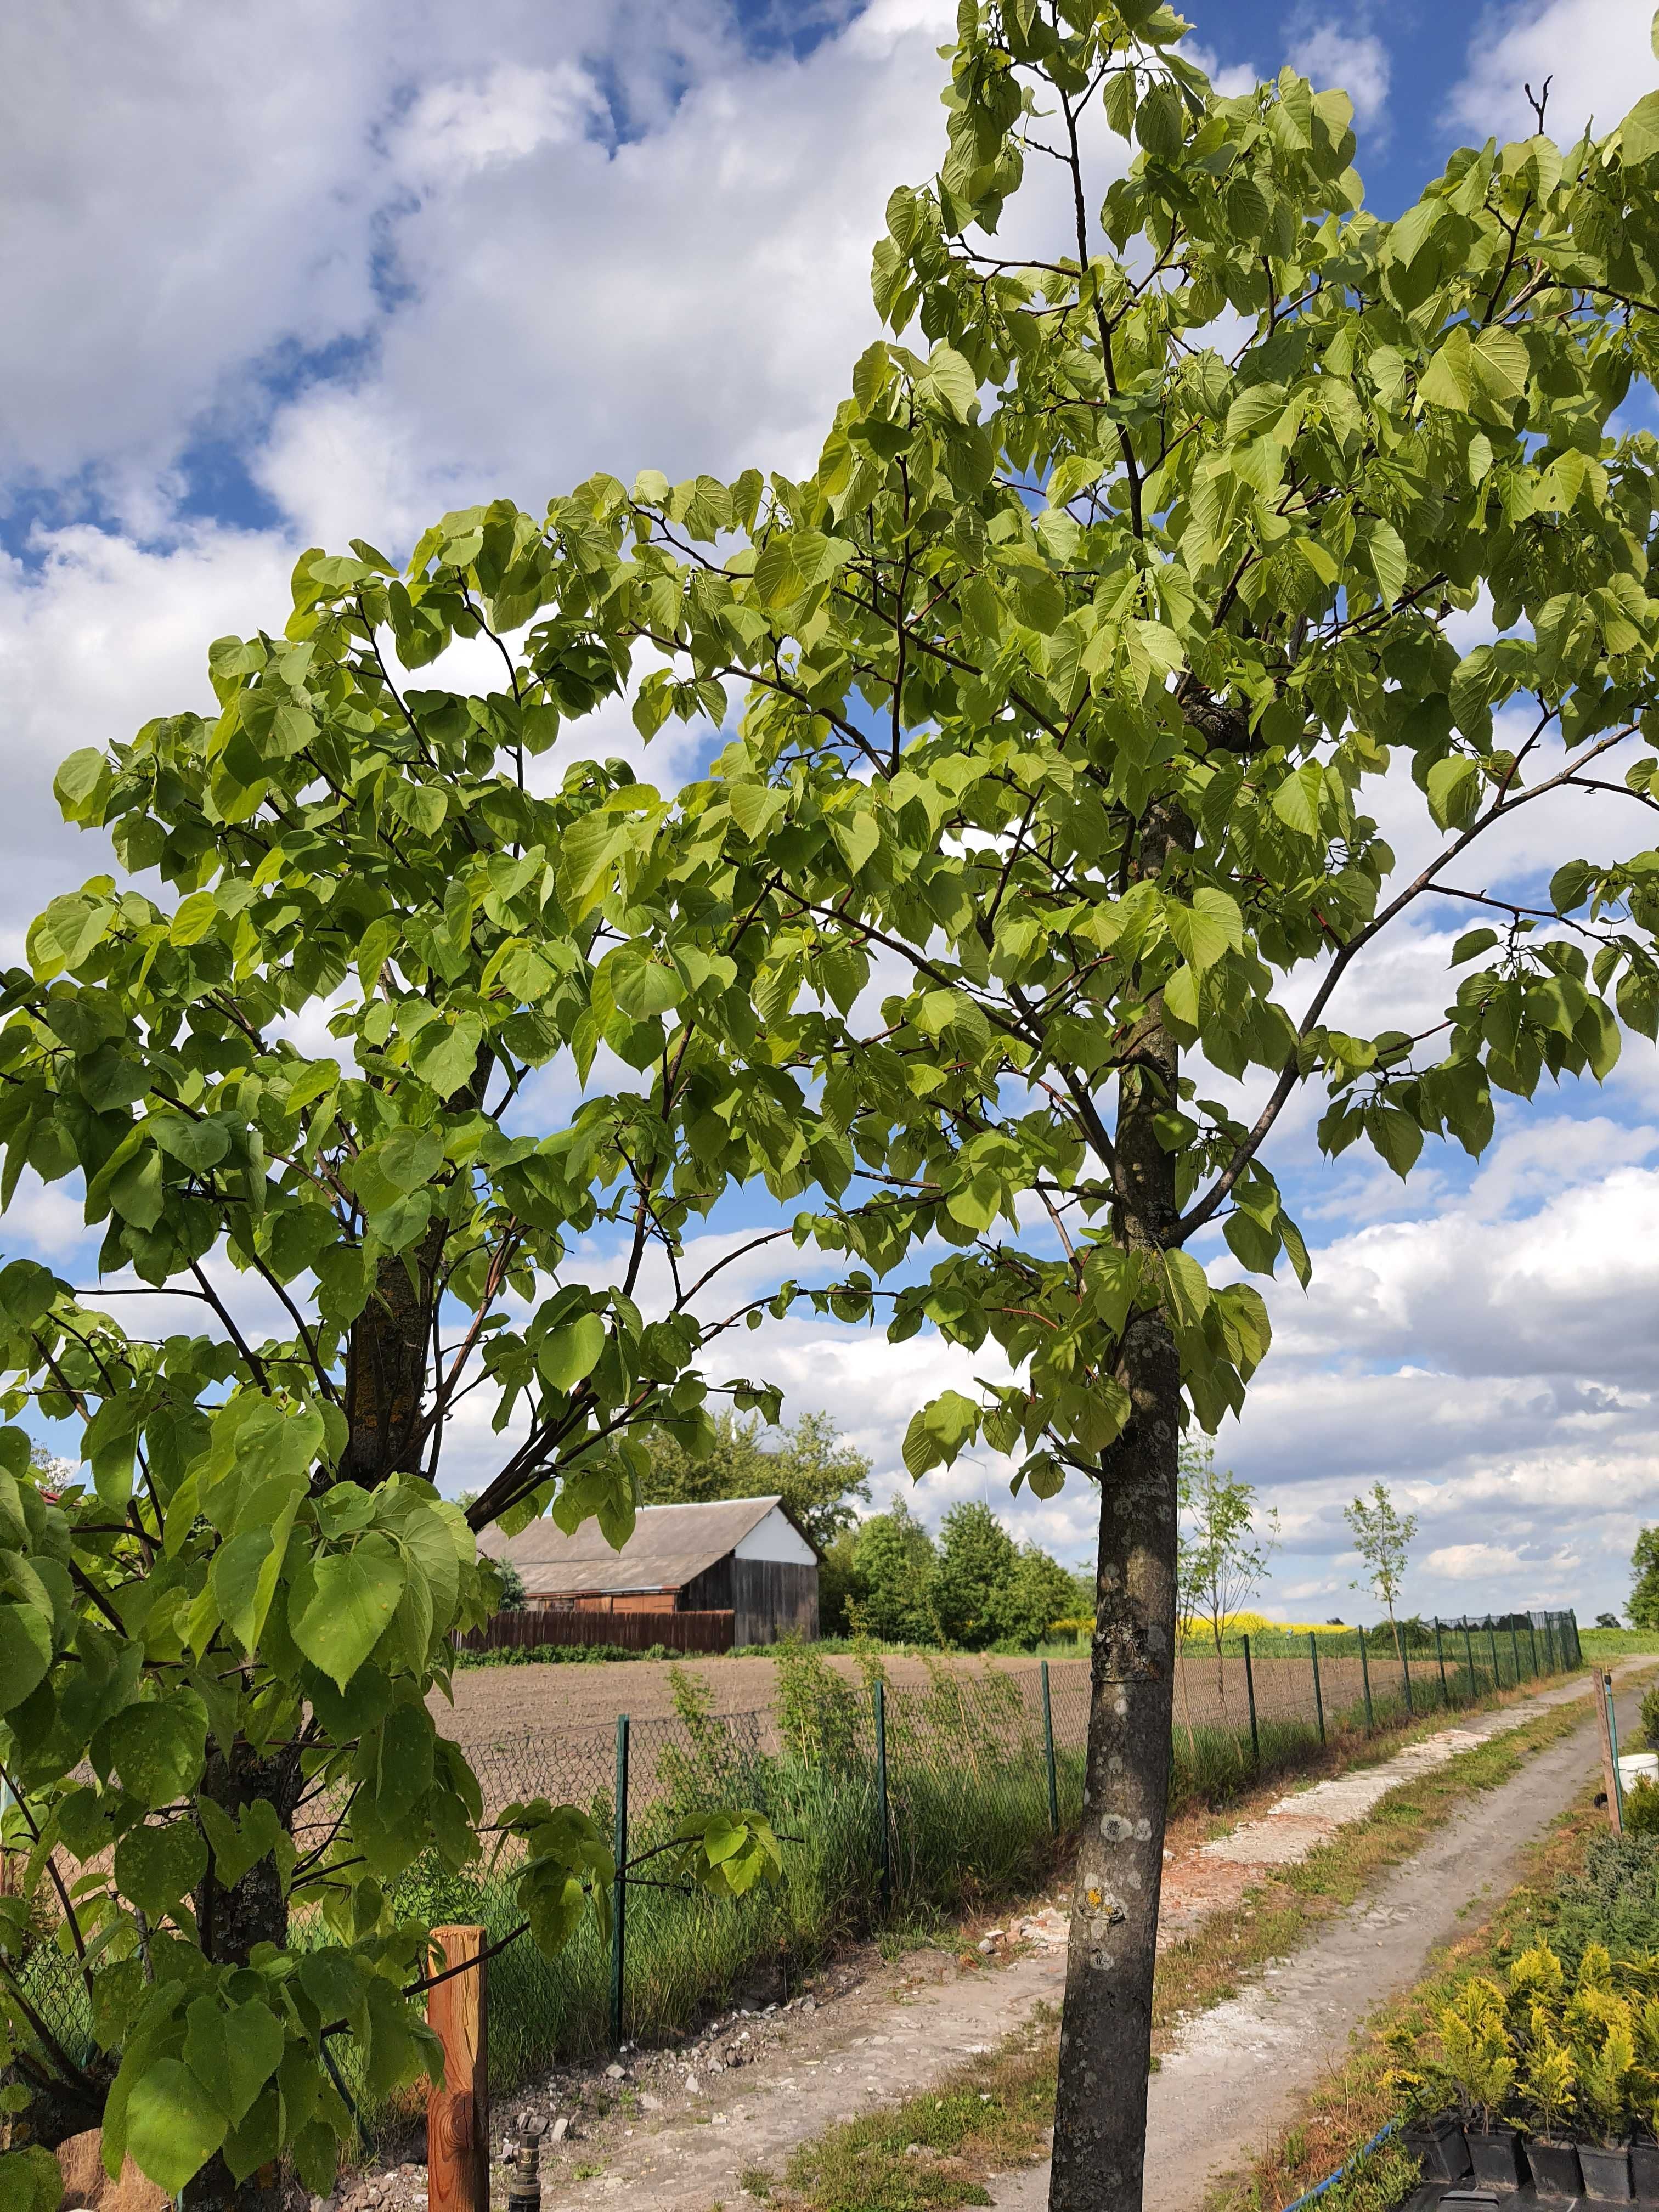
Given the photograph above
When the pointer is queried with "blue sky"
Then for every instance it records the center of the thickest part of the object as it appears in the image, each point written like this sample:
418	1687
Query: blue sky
267	295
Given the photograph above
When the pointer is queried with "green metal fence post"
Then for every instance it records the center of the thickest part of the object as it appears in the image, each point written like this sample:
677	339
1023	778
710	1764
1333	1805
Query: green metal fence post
1249	1692
1319	1702
1531	1638
619	1905
1491	1646
1514	1647
1405	1669
1549	1644
1578	1648
1468	1648
1365	1677
1048	1755
881	1800
1440	1654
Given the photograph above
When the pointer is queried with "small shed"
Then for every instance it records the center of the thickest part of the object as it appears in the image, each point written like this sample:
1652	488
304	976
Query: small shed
744	1555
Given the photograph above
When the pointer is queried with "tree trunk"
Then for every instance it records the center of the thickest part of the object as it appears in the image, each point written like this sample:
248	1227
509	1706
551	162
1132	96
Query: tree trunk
388	1358
232	1919
1100	2117
1105	2045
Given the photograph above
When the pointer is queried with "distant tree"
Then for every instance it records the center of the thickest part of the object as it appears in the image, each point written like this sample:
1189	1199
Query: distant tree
1382	1536
1644	1607
821	1481
1225	1545
513	1590
1606	1621
894	1568
838	1584
976	1565
1038	1593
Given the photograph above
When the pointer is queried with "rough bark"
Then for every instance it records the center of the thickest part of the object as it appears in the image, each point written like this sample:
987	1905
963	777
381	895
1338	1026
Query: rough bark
388	1363
232	1919
1100	2119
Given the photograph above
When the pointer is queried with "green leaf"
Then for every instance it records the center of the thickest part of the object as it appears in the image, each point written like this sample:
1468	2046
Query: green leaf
82	785
1209	927
25	1652
1454	789
1181	999
445	1054
351	1598
1638	134
1296	802
1472	944
398	1164
173	2125
1449	380
754	807
158	1746
950	379
1500	363
1396	1137
31	2180
156	1866
232	2054
571	1354
856	835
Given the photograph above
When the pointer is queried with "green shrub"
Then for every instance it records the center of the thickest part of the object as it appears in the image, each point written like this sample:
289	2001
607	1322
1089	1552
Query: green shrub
1651	1718
1614	1901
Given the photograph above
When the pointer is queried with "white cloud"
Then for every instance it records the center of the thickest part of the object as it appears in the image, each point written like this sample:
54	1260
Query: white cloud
100	637
1597	52
601	235
1354	61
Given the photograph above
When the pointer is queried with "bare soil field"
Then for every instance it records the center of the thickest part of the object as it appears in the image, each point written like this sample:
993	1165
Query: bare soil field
493	1704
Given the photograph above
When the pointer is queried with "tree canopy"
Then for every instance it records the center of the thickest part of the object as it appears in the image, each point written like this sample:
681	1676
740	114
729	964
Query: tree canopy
1141	563
821	1481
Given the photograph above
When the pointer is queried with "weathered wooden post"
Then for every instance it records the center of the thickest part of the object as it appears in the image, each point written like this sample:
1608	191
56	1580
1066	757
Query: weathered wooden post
1609	1751
458	2115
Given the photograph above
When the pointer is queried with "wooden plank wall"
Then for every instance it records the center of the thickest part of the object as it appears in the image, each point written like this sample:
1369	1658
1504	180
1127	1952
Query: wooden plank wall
630	1632
772	1598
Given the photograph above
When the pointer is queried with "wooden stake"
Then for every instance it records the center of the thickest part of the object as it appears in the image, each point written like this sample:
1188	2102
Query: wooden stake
1608	1772
458	2115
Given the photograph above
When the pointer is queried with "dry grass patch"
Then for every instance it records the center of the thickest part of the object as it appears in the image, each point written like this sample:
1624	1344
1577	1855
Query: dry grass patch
933	2152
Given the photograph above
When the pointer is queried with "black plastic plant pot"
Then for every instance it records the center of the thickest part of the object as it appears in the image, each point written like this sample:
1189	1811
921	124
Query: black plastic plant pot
1554	2167
1495	2154
1439	2147
1606	2173
1644	2171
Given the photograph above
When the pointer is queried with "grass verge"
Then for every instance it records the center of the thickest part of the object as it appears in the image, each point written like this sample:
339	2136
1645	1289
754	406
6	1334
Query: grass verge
935	2151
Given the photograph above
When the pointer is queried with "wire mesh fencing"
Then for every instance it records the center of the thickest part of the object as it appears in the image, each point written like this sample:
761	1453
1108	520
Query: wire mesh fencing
897	1803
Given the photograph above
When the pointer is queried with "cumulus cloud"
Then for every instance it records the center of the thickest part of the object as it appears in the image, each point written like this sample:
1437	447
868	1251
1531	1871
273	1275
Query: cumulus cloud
1597	52
1355	61
420	267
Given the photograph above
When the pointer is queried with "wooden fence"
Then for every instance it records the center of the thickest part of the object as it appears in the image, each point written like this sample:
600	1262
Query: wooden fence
630	1632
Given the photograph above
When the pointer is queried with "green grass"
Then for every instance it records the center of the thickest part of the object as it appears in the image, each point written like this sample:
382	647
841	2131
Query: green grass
1618	1642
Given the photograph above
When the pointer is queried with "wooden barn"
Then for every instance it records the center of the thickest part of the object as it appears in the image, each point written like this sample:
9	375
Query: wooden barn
741	1556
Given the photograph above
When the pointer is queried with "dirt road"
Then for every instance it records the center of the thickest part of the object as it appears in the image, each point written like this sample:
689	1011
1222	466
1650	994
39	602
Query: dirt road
1241	2071
688	2129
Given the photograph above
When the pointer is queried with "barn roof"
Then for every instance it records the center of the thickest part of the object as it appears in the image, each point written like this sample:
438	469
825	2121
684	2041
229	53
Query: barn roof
670	1544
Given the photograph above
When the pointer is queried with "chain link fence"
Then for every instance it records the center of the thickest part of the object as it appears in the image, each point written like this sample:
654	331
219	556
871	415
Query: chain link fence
898	1803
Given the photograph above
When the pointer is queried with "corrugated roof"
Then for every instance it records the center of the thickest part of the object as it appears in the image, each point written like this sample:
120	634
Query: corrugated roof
669	1546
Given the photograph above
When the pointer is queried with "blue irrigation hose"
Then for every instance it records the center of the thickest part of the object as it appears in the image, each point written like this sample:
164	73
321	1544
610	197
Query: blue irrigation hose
1343	2171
